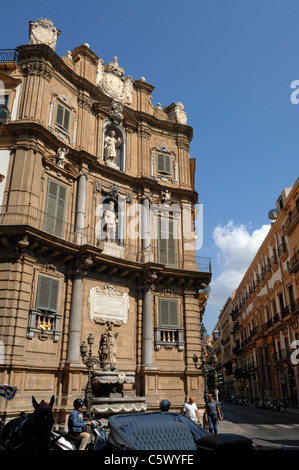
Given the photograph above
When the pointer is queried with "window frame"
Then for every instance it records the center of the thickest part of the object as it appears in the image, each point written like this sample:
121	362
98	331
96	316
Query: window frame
167	160
61	124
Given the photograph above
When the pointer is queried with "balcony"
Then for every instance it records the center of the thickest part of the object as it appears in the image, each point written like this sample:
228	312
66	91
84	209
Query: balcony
8	55
274	263
169	338
293	264
23	216
267	325
292	220
283	252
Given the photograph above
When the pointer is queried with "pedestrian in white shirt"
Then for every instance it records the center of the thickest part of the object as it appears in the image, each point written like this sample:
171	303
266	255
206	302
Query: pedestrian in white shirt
191	410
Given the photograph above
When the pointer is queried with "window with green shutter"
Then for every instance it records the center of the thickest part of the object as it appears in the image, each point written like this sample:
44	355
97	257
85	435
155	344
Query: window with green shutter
167	241
55	209
62	117
47	294
163	164
44	319
168	313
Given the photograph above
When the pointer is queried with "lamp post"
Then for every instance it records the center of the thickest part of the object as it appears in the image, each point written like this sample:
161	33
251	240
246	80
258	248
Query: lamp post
206	366
89	362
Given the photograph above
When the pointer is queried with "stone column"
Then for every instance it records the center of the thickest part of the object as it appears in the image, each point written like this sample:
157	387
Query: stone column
73	349
146	237
80	205
147	323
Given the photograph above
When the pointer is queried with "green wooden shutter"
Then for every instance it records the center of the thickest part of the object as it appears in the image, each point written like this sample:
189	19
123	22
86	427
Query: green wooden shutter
168	313
47	294
62	118
166	242
55	209
171	249
163	163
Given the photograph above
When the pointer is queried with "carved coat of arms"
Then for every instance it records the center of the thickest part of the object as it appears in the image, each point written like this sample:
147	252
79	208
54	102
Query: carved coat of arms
111	80
43	32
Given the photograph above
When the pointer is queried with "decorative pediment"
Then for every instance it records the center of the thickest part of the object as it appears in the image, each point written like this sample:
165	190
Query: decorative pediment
60	166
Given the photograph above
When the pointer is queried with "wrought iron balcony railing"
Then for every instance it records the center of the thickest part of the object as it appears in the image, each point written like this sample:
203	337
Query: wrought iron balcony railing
8	55
293	264
27	215
291	221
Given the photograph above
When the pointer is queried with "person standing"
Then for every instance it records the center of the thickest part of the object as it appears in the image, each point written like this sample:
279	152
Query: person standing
76	425
212	414
191	410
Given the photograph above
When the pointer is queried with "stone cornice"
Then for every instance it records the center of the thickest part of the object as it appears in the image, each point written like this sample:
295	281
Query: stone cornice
40	58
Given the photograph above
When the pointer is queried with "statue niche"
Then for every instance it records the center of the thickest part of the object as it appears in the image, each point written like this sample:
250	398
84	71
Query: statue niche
114	147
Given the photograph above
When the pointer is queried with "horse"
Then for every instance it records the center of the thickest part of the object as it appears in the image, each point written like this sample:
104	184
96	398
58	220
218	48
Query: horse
31	432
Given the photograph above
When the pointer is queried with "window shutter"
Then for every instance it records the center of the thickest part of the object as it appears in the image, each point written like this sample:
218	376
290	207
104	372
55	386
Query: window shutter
47	294
163	164
173	313
163	312
168	310
62	117
55	208
160	163
66	120
59	115
166	242
43	292
167	165
171	245
53	299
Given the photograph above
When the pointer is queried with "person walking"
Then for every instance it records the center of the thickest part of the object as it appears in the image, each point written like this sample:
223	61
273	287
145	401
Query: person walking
212	414
191	411
76	424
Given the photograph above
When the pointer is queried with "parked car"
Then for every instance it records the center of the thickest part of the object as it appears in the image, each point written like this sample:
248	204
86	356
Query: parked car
167	431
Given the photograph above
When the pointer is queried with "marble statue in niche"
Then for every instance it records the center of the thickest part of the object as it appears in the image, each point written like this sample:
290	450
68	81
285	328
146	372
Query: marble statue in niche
114	145
110	222
110	145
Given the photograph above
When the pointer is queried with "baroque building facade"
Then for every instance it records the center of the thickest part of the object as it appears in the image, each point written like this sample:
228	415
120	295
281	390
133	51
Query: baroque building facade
97	231
260	354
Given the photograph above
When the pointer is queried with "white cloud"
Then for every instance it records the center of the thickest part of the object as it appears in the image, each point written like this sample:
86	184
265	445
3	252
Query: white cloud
235	250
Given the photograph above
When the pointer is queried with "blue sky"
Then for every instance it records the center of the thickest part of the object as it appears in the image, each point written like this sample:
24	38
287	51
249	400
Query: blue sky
231	63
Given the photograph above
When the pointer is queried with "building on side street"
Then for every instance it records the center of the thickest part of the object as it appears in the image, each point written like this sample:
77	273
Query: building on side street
259	326
96	234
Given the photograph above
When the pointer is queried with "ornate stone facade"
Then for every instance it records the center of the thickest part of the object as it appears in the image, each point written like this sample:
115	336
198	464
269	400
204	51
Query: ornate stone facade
259	323
68	266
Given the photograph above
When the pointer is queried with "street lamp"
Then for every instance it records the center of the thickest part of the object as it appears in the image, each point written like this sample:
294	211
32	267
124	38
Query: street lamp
206	367
89	362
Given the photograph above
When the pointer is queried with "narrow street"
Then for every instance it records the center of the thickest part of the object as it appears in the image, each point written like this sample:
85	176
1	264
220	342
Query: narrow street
280	427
